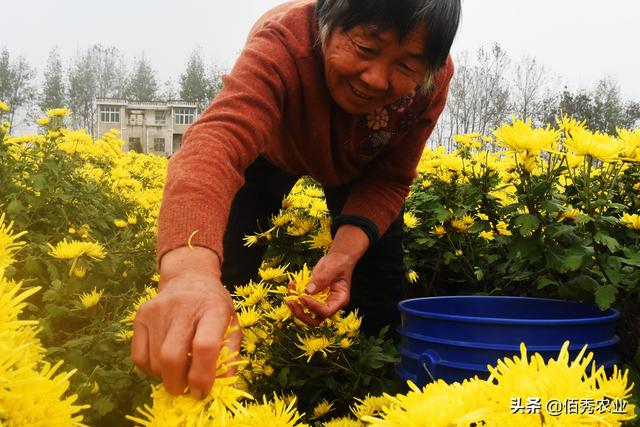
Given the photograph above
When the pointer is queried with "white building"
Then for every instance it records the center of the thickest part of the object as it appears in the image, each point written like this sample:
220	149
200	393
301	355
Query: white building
146	127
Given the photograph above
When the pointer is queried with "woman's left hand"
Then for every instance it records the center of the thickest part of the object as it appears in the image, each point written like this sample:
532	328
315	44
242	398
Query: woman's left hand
333	271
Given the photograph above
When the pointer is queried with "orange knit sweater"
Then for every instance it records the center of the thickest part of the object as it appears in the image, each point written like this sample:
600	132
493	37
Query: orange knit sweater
275	102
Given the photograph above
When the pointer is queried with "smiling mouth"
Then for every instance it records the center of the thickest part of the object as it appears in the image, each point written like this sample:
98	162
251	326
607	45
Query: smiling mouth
360	94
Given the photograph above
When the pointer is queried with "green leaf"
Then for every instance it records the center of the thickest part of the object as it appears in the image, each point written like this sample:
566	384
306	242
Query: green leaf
15	207
57	311
544	281
605	296
39	182
102	405
441	214
50	295
585	282
527	223
606	240
556	230
551	206
283	376
572	262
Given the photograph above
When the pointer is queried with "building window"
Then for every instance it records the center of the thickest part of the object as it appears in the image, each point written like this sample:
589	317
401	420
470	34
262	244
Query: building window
136	118
158	145
135	145
160	117
109	113
185	116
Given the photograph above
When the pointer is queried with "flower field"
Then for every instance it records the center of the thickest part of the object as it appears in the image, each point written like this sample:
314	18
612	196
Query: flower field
524	211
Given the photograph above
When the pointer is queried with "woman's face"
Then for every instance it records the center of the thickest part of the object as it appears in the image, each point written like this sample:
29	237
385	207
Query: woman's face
366	68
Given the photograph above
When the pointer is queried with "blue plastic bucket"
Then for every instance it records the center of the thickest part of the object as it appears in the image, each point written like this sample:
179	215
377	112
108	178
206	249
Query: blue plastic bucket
456	337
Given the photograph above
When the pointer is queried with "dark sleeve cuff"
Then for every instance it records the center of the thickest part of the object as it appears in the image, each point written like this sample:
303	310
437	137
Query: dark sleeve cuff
369	228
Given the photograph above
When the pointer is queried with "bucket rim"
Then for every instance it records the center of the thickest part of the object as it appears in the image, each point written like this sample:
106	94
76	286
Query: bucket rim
609	363
613	313
508	347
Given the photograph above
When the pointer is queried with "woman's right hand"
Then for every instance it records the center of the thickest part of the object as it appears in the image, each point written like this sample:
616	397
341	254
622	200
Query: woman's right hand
190	314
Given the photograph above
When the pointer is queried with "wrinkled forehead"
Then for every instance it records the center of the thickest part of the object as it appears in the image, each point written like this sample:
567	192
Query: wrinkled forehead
416	37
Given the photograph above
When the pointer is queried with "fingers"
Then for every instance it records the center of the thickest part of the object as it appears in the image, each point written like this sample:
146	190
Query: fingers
140	347
298	312
174	356
338	299
319	278
205	347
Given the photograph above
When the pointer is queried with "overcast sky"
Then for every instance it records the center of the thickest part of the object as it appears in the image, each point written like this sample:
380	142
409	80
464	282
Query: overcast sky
578	40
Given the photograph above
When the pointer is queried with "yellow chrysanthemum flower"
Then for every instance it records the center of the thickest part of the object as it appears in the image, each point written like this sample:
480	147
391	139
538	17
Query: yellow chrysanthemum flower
631	221
503	228
321	409
631	141
350	325
439	231
568	123
410	220
312	345
276	412
370	405
469	140
487	235
43	121
120	223
570	213
463	224
275	274
251	240
8	244
520	136
300	280
4	107
248	317
412	276
343	422
281	313
594	144
300	227
89	299
58	112
251	294
345	343
75	249
79	271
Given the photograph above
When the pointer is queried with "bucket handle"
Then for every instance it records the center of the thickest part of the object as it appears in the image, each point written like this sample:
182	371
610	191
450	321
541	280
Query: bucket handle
429	361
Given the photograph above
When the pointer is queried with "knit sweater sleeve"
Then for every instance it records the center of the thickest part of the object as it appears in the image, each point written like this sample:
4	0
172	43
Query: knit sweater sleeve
377	196
208	170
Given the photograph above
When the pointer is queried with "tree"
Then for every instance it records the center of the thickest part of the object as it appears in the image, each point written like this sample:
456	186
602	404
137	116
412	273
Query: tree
478	95
527	88
97	72
168	91
141	84
53	89
110	72
198	85
602	108
194	85
215	80
82	90
16	82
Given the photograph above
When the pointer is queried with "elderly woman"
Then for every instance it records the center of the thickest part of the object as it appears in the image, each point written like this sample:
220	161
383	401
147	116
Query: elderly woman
345	91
